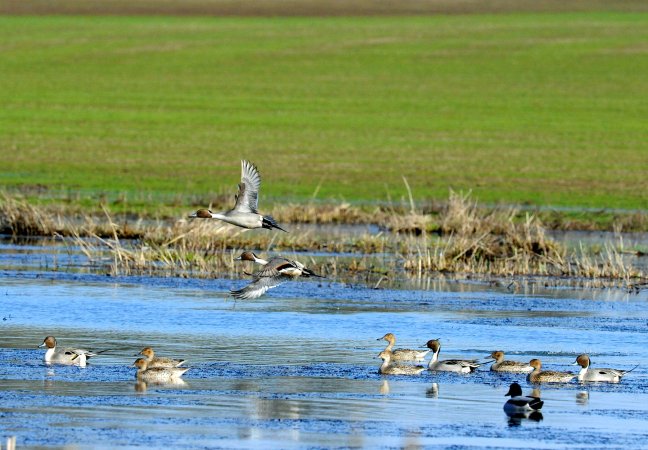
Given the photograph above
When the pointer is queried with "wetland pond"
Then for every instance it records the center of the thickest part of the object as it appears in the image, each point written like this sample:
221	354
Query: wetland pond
297	368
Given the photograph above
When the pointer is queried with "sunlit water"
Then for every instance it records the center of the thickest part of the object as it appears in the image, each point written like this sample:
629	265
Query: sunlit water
298	367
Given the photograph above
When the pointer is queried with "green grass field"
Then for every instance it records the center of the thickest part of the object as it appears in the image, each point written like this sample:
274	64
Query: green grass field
548	109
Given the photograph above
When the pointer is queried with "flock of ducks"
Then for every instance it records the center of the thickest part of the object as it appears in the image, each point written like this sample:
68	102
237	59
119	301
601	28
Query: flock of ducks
154	369
150	368
276	270
391	358
518	405
245	214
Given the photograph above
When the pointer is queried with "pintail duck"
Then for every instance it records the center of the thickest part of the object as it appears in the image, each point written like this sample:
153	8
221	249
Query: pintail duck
605	375
274	272
154	361
387	368
449	365
402	354
157	374
68	356
244	214
502	365
547	376
521	404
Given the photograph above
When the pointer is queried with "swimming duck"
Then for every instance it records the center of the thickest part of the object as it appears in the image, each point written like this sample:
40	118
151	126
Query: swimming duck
449	365
606	375
153	361
547	376
387	368
402	354
244	214
68	356
521	404
274	272
502	365
157	374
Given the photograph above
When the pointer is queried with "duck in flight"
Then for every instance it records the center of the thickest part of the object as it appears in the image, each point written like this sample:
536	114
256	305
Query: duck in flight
245	213
274	272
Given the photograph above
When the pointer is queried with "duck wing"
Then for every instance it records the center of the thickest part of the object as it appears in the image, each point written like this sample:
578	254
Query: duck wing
472	364
258	287
276	267
74	353
247	197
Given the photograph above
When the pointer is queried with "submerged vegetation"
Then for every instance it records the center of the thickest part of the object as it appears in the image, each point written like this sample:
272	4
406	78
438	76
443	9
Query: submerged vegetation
465	240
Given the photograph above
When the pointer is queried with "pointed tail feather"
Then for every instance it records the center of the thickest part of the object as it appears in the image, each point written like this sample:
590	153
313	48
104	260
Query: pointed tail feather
310	273
269	223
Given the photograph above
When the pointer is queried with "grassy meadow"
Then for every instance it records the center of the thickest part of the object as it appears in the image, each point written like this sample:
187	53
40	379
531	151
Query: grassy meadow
533	108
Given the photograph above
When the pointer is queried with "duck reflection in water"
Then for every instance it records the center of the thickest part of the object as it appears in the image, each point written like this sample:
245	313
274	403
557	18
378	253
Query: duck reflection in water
432	391
142	386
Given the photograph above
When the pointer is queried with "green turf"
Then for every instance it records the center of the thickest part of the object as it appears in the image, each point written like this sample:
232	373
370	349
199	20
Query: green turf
539	108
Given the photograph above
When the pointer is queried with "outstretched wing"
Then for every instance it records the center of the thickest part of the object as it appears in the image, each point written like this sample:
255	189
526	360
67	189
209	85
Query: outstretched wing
247	198
257	288
275	268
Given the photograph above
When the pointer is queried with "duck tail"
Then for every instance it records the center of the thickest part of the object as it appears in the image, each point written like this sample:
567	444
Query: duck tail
536	404
269	223
310	273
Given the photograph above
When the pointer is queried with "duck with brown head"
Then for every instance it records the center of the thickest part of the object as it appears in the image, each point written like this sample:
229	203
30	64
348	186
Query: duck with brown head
244	214
598	375
402	354
449	365
67	356
154	361
157	374
389	368
274	272
503	365
547	376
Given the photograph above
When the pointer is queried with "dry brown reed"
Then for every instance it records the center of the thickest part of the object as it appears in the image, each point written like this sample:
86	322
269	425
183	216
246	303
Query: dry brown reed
469	240
19	218
481	242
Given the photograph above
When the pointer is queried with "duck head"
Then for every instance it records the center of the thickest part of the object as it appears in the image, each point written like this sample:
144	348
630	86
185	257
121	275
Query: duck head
49	342
389	337
147	352
434	345
141	364
247	256
201	214
583	361
514	391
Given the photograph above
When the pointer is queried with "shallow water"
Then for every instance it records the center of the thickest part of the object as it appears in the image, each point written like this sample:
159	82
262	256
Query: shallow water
298	368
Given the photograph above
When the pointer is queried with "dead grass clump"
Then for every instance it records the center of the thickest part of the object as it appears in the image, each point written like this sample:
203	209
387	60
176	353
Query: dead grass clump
19	218
634	222
478	241
609	263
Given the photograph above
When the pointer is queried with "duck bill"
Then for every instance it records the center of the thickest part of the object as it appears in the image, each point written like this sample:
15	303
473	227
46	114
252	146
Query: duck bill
42	345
